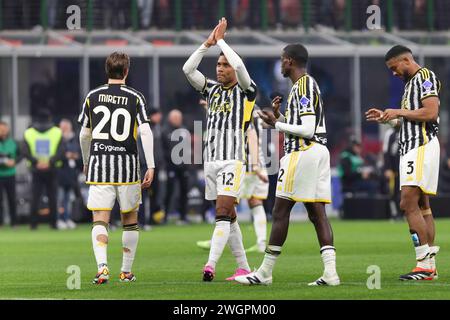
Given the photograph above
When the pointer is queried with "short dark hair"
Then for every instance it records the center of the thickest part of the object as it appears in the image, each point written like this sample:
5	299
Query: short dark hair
4	123
223	54
297	52
116	64
395	51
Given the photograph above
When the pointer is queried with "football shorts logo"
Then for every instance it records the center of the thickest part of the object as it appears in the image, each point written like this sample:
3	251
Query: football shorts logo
427	86
304	101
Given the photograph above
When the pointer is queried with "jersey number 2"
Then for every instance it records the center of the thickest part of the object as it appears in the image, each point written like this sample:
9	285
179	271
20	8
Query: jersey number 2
97	132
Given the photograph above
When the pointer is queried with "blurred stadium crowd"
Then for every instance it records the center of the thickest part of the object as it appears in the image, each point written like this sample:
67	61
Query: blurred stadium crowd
202	14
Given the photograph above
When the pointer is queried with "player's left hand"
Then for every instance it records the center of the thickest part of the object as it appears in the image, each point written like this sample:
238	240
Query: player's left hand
148	178
268	118
221	28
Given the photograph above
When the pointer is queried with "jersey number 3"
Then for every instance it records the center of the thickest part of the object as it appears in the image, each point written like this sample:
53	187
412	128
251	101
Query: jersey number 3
114	118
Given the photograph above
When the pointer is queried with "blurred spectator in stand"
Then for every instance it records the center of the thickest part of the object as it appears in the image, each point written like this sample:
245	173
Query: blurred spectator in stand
391	159
115	14
442	11
68	174
157	214
291	13
419	15
403	13
52	11
152	214
332	13
164	14
177	174
44	151
145	8
8	159
355	177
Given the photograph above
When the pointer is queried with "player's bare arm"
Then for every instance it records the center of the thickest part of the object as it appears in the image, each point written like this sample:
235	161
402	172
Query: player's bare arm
428	112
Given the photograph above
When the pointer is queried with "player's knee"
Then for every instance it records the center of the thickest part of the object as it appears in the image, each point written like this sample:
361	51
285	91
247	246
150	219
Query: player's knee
224	211
313	217
405	205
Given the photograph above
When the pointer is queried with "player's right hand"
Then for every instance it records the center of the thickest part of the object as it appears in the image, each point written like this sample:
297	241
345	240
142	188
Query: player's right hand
262	174
374	114
85	170
148	178
276	104
211	41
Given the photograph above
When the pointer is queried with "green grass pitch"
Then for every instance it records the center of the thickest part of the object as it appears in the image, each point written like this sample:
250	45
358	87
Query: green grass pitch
168	264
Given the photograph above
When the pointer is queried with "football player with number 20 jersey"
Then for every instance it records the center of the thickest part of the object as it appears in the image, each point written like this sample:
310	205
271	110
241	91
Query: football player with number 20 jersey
110	119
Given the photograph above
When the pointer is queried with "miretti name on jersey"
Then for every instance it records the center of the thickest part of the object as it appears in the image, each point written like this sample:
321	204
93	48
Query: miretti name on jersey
229	115
304	99
413	134
113	112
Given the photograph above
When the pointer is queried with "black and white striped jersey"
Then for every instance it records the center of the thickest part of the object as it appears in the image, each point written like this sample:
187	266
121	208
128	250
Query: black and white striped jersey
113	112
413	134
229	114
304	99
257	124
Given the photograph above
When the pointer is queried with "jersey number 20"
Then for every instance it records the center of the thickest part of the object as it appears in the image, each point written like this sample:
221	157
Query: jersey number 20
114	117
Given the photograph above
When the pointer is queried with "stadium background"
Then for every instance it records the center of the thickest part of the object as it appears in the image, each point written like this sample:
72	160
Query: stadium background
45	65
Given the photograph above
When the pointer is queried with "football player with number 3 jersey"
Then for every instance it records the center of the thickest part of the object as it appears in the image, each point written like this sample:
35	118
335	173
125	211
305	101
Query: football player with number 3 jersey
110	119
418	120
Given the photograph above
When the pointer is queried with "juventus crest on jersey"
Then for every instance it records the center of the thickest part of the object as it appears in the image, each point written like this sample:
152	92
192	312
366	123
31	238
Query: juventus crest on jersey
413	134
229	115
113	112
304	99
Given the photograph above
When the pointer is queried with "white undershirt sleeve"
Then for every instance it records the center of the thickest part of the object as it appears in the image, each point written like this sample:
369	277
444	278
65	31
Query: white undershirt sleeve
195	77
305	130
85	144
147	144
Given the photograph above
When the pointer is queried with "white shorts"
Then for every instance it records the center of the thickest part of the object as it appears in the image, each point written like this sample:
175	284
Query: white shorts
420	167
103	197
305	175
253	187
223	178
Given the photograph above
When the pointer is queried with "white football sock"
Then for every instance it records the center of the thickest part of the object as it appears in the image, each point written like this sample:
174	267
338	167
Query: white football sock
237	247
130	238
328	254
423	256
260	225
218	242
265	270
100	248
433	251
